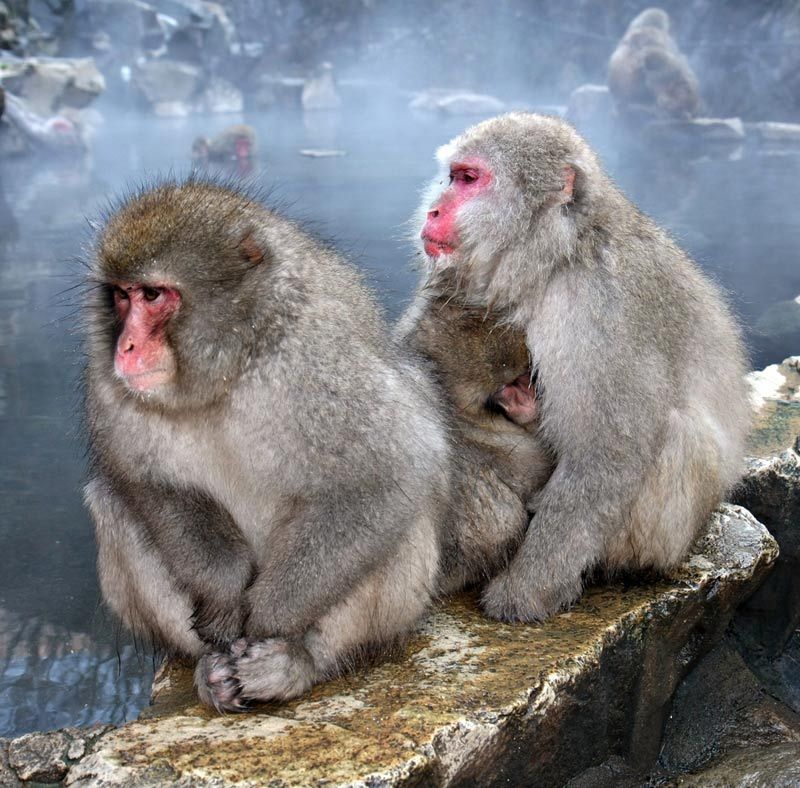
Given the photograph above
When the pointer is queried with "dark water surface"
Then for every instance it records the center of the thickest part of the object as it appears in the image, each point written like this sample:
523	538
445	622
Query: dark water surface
63	660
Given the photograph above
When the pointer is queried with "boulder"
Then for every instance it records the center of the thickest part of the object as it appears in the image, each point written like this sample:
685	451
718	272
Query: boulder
590	106
775	392
456	103
775	134
46	85
471	701
721	707
169	86
752	767
46	757
698	131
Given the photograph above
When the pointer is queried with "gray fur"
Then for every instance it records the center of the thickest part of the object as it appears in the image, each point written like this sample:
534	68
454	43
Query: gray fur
499	464
648	75
287	486
640	364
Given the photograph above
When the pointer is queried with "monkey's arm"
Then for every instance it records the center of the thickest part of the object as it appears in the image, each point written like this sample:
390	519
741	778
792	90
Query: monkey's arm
204	551
317	559
602	419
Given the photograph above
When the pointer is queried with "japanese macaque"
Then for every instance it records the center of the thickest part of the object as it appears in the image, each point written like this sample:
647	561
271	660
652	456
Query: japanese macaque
234	144
269	474
639	364
483	368
647	72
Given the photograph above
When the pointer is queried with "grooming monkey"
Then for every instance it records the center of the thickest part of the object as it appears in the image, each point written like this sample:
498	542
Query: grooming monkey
268	473
640	387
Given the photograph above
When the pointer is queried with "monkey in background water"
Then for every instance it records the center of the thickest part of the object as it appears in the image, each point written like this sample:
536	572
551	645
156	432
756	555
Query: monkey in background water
269	474
640	367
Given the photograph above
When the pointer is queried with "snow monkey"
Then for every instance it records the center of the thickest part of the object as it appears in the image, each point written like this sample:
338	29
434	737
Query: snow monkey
639	364
269	473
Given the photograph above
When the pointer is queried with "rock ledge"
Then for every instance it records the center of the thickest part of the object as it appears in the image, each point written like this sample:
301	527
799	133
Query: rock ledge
471	701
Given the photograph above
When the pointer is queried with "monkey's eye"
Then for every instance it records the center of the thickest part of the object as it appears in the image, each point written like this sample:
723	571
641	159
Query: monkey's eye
120	294
464	175
151	293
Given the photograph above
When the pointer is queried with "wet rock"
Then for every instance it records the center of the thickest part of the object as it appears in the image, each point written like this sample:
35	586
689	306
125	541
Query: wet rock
771	488
708	131
772	388
590	106
41	757
777	134
169	86
121	25
770	767
46	757
8	778
471	701
456	103
48	84
722	707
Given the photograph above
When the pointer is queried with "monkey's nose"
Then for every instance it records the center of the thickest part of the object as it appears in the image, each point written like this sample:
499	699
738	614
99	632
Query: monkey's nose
125	345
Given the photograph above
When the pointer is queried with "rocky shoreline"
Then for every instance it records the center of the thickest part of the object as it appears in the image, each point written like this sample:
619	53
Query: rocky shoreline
683	680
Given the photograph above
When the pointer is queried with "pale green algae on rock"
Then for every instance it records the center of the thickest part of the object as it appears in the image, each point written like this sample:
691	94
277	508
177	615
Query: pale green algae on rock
470	701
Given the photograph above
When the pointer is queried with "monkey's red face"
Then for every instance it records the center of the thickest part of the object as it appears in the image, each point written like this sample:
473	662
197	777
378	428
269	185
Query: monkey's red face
143	357
468	178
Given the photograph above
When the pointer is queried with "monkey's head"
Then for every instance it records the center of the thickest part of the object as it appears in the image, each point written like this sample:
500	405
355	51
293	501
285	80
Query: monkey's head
180	269
514	190
651	17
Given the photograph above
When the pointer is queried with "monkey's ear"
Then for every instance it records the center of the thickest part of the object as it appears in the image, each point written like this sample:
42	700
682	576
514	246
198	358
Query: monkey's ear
571	190
568	190
251	250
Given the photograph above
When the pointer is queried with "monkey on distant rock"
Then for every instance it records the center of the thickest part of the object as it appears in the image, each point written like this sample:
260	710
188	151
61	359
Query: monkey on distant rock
269	474
639	364
647	74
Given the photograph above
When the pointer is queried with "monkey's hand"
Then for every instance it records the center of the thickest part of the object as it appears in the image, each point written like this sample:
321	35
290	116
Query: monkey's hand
216	681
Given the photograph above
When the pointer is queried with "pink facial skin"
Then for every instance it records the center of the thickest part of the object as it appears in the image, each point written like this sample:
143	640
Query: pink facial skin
468	178
143	358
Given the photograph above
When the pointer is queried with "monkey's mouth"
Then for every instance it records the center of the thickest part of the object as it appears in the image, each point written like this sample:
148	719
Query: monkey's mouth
143	382
434	248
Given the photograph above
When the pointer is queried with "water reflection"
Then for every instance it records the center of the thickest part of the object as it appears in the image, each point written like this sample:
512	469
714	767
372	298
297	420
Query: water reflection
61	662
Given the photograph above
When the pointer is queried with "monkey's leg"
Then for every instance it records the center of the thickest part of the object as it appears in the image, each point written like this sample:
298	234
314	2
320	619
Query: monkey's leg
382	608
135	582
677	497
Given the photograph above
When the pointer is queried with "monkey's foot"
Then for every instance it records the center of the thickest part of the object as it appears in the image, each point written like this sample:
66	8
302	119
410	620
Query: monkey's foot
507	599
274	669
216	681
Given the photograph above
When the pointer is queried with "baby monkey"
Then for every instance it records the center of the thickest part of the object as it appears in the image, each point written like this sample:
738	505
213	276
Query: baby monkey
484	371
